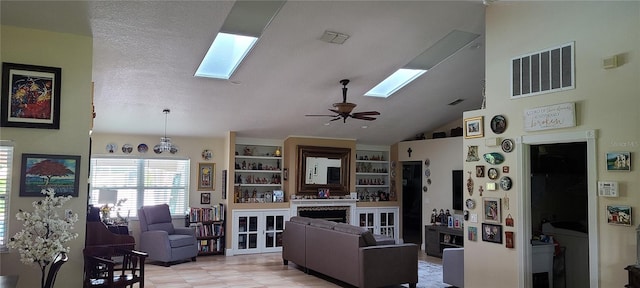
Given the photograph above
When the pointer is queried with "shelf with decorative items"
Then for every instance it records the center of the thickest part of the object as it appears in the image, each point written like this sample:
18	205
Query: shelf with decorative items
372	174
258	173
209	225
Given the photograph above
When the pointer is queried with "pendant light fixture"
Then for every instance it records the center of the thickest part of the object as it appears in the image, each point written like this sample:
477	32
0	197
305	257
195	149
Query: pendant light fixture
165	142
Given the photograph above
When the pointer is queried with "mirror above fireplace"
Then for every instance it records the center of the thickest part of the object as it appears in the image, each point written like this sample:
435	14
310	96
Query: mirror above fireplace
323	167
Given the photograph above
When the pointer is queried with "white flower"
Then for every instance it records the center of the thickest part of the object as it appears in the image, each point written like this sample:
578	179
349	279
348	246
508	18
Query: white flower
44	231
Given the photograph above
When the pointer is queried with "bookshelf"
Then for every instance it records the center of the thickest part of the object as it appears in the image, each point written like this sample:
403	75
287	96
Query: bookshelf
209	224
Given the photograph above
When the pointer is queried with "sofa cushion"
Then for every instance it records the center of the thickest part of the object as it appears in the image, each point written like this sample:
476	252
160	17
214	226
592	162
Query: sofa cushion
300	219
321	223
384	240
178	240
366	235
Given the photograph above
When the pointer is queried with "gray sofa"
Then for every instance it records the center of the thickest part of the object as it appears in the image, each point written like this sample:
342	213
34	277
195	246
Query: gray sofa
453	266
349	253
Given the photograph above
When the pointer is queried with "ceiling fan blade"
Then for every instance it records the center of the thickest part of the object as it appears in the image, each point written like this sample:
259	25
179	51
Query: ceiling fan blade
367	113
363	117
334	119
312	115
334	111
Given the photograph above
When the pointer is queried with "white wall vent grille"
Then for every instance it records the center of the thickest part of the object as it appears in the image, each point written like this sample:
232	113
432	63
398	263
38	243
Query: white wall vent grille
543	72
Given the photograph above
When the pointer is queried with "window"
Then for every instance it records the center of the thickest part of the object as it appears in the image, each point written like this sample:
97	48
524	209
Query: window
141	182
6	160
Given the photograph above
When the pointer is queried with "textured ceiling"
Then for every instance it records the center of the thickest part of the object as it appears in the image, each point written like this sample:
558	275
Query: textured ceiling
146	52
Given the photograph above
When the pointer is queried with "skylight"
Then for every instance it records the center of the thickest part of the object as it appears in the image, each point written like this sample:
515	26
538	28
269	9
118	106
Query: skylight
224	55
395	82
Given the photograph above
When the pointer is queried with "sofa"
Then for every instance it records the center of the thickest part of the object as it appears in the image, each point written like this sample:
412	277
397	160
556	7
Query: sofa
453	266
348	253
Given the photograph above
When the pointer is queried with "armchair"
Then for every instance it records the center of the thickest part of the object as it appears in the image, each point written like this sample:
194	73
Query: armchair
453	266
161	240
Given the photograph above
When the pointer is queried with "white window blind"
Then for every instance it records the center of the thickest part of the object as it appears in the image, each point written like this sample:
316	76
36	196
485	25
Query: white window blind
142	182
6	161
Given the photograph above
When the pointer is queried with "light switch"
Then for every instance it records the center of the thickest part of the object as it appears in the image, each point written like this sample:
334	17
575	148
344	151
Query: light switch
473	218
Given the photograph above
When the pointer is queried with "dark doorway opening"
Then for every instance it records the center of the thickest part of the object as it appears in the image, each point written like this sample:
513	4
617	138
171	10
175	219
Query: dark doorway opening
412	202
559	208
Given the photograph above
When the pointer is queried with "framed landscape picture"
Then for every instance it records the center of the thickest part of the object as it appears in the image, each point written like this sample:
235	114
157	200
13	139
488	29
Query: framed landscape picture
474	127
40	171
619	215
30	96
618	161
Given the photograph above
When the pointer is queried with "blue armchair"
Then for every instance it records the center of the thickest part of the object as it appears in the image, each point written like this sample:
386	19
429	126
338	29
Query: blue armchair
161	240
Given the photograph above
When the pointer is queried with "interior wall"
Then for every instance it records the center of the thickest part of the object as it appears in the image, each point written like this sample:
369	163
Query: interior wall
606	101
73	54
444	155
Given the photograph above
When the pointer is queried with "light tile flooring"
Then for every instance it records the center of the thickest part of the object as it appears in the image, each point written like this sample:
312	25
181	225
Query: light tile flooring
262	271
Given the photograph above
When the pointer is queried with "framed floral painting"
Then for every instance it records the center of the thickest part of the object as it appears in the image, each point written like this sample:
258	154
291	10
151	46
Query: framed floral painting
30	96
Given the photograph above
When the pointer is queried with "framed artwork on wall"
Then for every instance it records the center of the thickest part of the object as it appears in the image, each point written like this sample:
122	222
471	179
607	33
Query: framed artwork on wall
206	178
40	171
30	96
224	184
205	198
618	161
492	233
474	127
619	215
491	208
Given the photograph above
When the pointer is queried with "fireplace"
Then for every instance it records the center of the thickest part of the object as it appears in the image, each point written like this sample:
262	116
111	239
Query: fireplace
338	210
331	213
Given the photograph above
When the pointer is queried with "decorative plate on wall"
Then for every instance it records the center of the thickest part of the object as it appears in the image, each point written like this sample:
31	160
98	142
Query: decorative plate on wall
143	148
498	124
471	204
492	173
493	158
112	147
127	148
427	172
507	145
427	162
505	183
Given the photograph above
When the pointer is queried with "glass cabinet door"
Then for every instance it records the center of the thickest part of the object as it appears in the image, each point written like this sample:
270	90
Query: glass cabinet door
387	224
247	232
366	220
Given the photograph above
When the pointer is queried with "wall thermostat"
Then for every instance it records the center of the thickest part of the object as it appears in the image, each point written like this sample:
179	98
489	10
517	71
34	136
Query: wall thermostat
608	188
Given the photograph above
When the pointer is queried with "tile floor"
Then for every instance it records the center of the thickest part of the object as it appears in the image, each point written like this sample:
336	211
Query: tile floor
262	271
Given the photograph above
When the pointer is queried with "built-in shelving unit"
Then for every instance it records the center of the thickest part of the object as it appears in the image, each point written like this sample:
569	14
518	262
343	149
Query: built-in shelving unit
372	173
258	173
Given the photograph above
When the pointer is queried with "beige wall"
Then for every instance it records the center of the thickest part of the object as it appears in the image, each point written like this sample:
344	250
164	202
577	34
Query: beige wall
606	101
444	156
73	54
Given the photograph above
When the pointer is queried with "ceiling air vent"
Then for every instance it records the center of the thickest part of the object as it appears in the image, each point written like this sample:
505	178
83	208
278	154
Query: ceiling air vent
455	102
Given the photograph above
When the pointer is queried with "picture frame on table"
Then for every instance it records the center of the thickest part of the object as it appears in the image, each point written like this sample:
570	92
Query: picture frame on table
492	233
30	96
474	127
619	215
491	209
206	176
39	171
619	161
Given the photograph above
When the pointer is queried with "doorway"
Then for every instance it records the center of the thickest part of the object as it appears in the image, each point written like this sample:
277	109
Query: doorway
527	257
559	208
412	202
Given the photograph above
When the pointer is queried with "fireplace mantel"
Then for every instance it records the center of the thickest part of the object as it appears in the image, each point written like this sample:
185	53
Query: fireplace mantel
351	203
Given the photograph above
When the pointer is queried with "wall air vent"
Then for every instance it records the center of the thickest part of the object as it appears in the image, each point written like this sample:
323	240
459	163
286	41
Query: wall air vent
542	72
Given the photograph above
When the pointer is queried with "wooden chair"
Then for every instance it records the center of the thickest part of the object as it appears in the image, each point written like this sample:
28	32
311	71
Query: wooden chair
113	267
55	267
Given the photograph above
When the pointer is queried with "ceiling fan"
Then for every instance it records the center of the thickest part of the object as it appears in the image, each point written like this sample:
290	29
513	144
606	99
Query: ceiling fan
343	109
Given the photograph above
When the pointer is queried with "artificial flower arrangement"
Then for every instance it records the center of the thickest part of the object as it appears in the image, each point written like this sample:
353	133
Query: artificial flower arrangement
106	212
44	231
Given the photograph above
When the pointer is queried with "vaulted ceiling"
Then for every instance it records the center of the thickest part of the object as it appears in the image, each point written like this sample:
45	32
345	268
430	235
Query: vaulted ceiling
145	54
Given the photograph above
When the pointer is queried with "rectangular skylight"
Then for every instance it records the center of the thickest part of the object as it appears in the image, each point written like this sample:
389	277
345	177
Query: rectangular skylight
224	55
395	82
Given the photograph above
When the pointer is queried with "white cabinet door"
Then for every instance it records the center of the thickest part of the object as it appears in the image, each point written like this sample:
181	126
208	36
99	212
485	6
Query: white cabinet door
382	220
258	231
